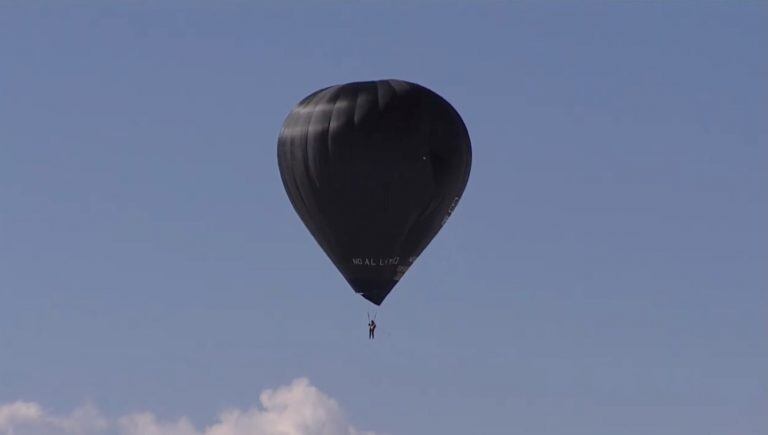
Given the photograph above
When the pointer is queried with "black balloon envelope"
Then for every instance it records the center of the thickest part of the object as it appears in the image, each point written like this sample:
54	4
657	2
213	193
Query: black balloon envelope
374	169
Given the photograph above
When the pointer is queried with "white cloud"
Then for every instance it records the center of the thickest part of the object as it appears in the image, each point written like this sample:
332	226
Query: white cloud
295	409
18	413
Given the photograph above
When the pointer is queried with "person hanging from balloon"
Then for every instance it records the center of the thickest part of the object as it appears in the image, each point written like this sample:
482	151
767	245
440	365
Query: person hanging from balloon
371	326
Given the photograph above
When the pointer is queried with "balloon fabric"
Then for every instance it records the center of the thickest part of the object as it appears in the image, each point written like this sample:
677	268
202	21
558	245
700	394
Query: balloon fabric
374	169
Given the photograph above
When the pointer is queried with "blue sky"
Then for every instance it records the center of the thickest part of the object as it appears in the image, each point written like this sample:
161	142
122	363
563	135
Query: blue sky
605	271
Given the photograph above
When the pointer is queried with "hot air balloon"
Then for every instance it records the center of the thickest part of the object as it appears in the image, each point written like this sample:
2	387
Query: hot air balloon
374	169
